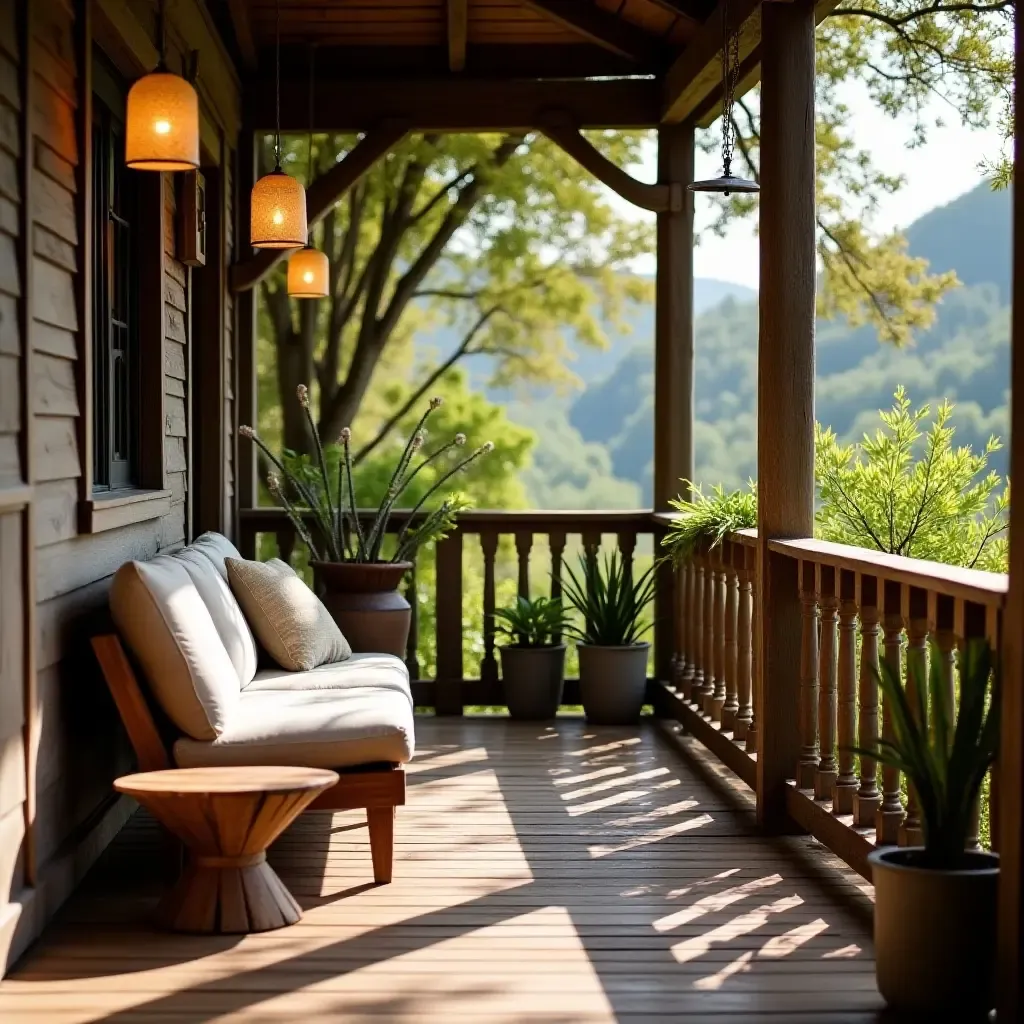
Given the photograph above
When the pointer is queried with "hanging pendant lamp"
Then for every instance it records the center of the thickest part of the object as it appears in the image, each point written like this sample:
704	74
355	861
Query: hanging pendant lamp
162	117
278	204
308	267
727	182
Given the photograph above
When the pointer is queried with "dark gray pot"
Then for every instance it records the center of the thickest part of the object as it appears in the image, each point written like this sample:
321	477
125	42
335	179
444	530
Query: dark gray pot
935	934
613	682
533	678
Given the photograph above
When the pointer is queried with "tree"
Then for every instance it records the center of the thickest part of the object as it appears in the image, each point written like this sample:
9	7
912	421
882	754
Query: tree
939	505
906	54
497	235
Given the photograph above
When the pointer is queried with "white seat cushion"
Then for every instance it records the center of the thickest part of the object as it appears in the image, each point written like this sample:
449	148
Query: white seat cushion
311	728
383	671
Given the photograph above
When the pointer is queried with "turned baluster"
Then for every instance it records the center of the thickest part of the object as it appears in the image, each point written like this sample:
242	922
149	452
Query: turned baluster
828	599
707	692
807	766
489	664
744	649
868	797
917	686
732	593
975	627
556	542
890	813
713	707
679	627
412	661
697	628
753	737
524	541
846	780
627	544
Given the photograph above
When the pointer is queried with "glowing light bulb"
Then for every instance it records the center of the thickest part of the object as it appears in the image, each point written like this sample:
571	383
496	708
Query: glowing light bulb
308	277
278	217
162	127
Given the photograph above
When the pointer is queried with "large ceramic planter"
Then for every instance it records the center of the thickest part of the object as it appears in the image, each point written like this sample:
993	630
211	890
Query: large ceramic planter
613	683
364	601
935	934
533	678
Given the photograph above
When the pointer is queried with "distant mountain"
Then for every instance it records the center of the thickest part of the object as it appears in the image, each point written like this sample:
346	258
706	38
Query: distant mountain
964	357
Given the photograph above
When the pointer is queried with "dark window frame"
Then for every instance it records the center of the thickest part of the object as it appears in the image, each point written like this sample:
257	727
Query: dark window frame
115	291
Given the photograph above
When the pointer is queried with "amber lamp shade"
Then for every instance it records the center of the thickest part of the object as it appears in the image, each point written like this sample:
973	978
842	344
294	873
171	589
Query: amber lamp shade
307	273
278	218
162	124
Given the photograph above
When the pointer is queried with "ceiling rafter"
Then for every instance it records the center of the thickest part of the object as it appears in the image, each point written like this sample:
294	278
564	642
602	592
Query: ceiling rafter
458	32
603	29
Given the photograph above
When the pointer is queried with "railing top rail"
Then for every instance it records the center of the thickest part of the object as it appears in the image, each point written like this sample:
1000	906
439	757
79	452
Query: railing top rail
569	520
988	588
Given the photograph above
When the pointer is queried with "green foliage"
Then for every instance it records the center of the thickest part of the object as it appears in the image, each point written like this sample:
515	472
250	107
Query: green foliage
941	505
325	487
704	522
905	54
611	603
944	761
535	623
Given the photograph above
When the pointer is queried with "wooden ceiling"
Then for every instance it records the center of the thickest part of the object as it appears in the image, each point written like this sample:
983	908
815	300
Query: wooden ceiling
572	38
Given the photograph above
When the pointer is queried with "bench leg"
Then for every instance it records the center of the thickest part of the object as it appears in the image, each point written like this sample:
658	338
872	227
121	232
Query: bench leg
381	821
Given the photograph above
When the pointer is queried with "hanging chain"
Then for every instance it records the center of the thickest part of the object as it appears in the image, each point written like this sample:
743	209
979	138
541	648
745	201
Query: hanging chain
277	86
730	77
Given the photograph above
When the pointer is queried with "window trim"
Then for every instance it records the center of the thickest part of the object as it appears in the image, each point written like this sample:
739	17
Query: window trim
150	498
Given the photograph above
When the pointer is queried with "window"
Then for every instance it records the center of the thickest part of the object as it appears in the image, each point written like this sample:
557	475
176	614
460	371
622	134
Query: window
115	290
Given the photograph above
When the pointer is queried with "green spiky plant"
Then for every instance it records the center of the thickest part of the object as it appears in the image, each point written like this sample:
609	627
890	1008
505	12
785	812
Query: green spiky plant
944	761
323	488
535	623
610	602
705	521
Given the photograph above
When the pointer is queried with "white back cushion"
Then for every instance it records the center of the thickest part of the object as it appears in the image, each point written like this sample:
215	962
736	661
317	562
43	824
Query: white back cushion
165	621
232	628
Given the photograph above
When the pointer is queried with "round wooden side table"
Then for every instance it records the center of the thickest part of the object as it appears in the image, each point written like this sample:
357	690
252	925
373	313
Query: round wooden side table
227	817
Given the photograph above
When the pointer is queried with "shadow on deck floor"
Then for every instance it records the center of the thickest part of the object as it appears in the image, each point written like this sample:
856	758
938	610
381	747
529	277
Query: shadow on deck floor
543	873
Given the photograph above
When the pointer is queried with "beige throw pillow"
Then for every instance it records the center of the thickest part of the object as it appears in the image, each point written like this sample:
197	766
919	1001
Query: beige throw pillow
289	620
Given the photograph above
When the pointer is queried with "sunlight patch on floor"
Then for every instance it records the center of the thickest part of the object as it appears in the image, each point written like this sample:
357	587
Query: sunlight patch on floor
655	836
715	902
744	924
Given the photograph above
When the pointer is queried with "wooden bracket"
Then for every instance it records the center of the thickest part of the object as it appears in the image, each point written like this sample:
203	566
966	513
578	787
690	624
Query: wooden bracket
659	198
323	194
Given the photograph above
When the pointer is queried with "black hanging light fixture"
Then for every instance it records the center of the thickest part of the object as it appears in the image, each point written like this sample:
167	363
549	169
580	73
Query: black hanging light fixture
727	183
308	268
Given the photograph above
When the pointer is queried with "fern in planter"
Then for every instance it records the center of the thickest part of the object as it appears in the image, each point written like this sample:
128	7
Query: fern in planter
533	623
705	521
610	602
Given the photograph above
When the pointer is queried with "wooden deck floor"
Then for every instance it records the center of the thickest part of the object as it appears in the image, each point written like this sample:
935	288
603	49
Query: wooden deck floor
542	873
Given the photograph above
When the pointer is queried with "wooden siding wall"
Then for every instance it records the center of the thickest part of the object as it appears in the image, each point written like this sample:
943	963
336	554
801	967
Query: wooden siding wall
57	808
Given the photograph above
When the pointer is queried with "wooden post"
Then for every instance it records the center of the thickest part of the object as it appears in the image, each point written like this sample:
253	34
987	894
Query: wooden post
448	688
785	386
673	361
1010	956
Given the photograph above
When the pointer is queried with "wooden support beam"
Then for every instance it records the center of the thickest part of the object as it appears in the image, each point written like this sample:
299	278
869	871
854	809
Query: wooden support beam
673	362
246	490
785	385
322	195
453	104
695	10
458	31
598	26
1010	810
659	198
240	19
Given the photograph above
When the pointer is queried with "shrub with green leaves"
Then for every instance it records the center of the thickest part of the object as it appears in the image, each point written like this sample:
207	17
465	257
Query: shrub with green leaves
910	492
536	623
705	521
944	757
611	603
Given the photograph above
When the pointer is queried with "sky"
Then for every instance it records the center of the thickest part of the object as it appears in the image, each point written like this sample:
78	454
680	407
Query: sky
944	168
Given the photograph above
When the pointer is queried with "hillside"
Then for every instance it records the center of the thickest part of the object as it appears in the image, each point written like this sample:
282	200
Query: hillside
964	356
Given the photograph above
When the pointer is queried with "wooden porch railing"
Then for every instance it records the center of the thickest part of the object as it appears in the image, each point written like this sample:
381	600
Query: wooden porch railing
456	684
857	607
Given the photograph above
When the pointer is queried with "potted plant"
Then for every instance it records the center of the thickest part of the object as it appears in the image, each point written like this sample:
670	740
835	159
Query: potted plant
705	521
613	658
356	574
533	661
935	905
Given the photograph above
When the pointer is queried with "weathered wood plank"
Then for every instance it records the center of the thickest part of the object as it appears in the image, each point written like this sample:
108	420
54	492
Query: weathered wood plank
54	341
54	295
53	206
53	386
55	448
53	120
55	250
10	394
10	336
55	510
